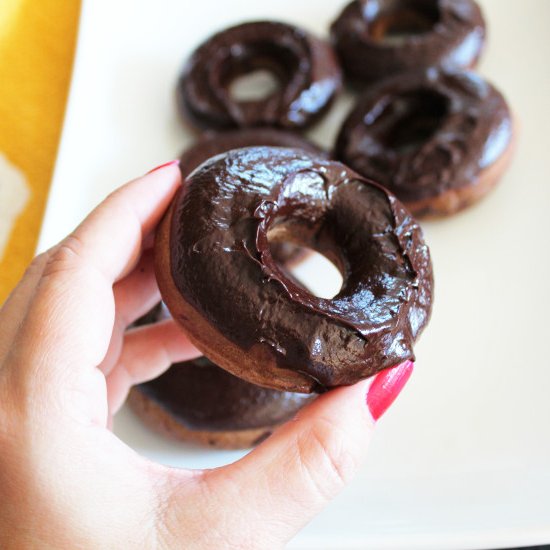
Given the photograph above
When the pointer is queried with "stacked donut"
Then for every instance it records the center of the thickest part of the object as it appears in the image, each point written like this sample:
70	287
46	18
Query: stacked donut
199	402
426	137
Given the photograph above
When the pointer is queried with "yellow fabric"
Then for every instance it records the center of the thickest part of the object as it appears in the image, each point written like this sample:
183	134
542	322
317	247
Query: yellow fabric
37	42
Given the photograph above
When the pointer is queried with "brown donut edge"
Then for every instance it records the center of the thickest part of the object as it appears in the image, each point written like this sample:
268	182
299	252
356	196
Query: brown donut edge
157	418
458	199
211	342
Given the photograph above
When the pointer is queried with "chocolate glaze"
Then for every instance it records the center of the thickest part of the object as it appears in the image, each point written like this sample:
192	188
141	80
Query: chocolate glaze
211	144
202	396
306	67
222	265
378	38
422	134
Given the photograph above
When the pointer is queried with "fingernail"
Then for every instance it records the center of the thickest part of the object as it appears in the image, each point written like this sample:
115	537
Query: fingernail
386	387
164	165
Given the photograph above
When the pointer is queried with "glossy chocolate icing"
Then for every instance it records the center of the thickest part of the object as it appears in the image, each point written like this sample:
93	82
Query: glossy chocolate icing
211	144
378	38
202	396
222	266
422	134
306	68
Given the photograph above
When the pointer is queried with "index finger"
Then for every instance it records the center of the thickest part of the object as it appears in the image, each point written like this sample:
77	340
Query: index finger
70	318
110	238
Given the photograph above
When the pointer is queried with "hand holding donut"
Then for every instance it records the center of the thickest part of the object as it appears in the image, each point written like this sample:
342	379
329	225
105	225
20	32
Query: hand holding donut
66	365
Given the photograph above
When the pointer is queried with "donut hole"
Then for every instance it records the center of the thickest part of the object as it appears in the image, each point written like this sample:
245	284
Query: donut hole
308	268
257	71
393	22
409	120
255	85
316	274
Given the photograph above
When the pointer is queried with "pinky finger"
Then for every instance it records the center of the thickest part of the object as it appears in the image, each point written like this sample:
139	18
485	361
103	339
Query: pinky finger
146	353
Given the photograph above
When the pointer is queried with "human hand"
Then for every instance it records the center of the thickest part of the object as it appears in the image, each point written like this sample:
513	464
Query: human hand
66	366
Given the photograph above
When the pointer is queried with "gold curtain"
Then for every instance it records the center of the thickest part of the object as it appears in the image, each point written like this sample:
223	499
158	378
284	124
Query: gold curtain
37	43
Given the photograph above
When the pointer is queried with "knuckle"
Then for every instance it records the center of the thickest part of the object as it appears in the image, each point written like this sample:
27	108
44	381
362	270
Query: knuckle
71	247
325	457
38	263
65	256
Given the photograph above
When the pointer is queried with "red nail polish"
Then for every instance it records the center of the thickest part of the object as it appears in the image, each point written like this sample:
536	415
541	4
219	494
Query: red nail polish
164	165
386	387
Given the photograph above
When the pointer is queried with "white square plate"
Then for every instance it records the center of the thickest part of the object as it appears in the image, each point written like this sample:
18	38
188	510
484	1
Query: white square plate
463	458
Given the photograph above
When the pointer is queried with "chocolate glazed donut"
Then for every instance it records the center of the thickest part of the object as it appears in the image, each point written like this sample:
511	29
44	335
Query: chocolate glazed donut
439	140
197	401
211	144
305	67
221	283
378	38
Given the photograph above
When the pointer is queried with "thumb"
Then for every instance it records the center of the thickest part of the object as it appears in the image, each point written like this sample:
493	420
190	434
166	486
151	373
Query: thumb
281	485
